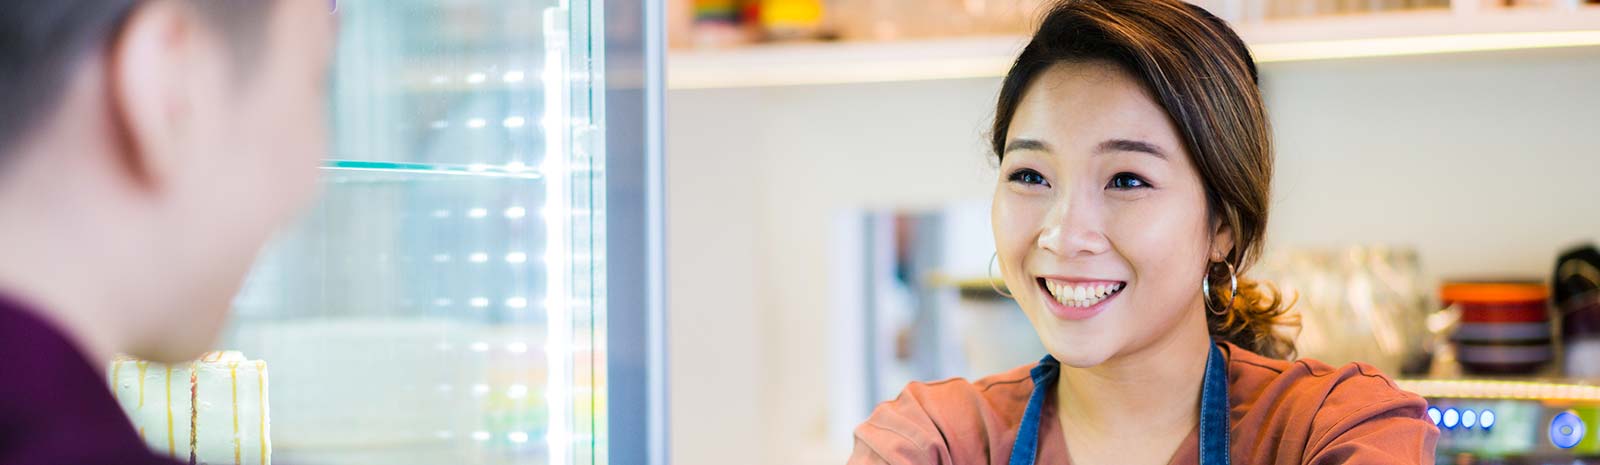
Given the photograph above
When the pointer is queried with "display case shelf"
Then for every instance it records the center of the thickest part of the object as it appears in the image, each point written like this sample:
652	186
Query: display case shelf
512	171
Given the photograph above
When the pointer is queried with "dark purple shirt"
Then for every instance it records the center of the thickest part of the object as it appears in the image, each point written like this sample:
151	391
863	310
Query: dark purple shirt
56	408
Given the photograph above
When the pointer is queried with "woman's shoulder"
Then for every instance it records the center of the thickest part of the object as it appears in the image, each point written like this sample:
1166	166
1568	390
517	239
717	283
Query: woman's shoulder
1314	409
1004	392
1254	378
948	421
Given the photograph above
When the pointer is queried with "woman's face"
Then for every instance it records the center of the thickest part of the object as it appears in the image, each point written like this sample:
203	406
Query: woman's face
1099	216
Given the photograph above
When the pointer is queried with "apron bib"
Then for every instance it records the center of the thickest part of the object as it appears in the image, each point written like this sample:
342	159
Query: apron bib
1213	411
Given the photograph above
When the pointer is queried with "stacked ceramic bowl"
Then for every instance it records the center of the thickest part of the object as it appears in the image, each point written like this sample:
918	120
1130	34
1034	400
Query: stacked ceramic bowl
1505	326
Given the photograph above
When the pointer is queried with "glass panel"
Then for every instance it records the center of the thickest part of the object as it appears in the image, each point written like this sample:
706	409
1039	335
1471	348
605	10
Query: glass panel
440	305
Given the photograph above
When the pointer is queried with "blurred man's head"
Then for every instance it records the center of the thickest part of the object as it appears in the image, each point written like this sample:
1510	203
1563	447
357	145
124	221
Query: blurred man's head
183	131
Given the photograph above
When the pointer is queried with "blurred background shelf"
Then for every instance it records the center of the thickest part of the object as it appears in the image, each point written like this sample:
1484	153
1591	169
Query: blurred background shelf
971	287
1276	40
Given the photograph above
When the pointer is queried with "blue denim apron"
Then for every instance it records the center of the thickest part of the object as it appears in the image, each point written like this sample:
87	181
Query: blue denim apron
1213	411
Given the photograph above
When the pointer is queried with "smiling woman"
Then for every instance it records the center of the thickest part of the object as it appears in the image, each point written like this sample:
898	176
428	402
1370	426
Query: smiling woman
1135	167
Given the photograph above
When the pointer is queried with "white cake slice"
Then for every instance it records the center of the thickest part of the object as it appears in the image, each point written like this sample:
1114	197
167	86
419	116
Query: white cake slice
211	411
156	398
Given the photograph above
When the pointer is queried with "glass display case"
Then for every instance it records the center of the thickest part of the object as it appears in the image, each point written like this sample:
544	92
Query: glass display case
449	299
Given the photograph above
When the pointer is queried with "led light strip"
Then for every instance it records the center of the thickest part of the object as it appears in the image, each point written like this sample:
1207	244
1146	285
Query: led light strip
557	252
1487	389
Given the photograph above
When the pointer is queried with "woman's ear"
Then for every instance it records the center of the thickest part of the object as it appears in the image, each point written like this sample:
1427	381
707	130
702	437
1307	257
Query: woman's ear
1221	240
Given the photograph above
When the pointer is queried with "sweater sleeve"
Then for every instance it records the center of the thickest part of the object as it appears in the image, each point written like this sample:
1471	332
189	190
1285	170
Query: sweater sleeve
899	432
1392	431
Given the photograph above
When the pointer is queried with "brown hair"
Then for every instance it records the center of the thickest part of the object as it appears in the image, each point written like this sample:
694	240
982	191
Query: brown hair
1203	76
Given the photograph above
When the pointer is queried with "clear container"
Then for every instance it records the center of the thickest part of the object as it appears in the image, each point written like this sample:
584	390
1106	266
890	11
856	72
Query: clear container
1363	303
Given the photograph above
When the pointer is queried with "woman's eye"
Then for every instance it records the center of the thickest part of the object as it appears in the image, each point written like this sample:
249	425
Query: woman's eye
1125	181
1027	176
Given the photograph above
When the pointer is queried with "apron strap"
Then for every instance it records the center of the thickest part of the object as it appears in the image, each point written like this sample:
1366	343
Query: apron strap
1026	447
1213	411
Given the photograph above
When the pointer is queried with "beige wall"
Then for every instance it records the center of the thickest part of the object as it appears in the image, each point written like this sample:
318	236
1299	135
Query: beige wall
1482	161
1475	159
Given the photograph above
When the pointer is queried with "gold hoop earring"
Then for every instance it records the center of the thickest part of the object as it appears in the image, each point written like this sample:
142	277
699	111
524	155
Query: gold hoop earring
990	273
1233	288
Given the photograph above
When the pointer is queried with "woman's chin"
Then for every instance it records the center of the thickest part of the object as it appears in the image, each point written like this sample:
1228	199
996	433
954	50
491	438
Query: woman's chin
1080	352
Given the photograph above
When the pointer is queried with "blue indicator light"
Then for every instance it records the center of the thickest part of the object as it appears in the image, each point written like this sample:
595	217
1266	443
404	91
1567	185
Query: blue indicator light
1566	430
1435	415
1451	418
1486	419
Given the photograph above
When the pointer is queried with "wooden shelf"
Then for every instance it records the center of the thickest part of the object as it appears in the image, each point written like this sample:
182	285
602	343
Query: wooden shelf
969	287
1355	36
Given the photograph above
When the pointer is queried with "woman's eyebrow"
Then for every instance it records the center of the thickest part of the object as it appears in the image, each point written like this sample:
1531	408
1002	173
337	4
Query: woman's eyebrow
1127	145
1026	144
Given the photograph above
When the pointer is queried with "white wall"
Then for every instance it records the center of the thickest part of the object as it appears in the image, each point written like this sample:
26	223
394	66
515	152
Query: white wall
1487	163
716	344
1478	160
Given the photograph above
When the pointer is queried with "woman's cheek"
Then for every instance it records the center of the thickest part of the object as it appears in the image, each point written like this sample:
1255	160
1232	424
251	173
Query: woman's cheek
1016	222
1159	237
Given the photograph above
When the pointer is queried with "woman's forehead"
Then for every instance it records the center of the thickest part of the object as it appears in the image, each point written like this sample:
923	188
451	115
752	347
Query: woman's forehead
1080	106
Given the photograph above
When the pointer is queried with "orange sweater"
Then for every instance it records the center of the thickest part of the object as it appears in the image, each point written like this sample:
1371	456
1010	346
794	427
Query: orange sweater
1301	412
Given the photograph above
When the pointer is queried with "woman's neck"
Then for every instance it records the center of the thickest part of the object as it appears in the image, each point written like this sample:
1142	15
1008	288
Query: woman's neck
1155	390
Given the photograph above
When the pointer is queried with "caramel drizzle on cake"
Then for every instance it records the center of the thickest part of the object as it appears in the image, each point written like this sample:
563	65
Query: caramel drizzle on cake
233	372
194	410
261	395
211	361
172	446
143	366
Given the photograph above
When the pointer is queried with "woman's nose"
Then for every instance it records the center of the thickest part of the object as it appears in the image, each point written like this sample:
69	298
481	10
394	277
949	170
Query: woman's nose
1073	229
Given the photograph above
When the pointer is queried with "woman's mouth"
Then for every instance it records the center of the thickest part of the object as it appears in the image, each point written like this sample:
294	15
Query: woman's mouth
1076	300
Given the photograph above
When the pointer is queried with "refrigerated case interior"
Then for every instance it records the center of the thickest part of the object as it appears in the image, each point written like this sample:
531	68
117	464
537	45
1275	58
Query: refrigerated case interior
441	303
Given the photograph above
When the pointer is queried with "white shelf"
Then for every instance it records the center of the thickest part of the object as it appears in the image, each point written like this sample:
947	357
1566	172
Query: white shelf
1388	34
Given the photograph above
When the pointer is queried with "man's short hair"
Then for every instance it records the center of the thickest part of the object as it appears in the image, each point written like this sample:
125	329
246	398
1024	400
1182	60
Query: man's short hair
42	42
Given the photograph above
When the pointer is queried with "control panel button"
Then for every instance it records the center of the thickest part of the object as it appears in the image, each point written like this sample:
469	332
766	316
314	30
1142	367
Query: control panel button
1566	430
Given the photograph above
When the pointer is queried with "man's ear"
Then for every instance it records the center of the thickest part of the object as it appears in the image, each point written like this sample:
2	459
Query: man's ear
149	62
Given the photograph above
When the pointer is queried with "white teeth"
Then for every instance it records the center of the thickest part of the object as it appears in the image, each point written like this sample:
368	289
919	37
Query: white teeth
1081	296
